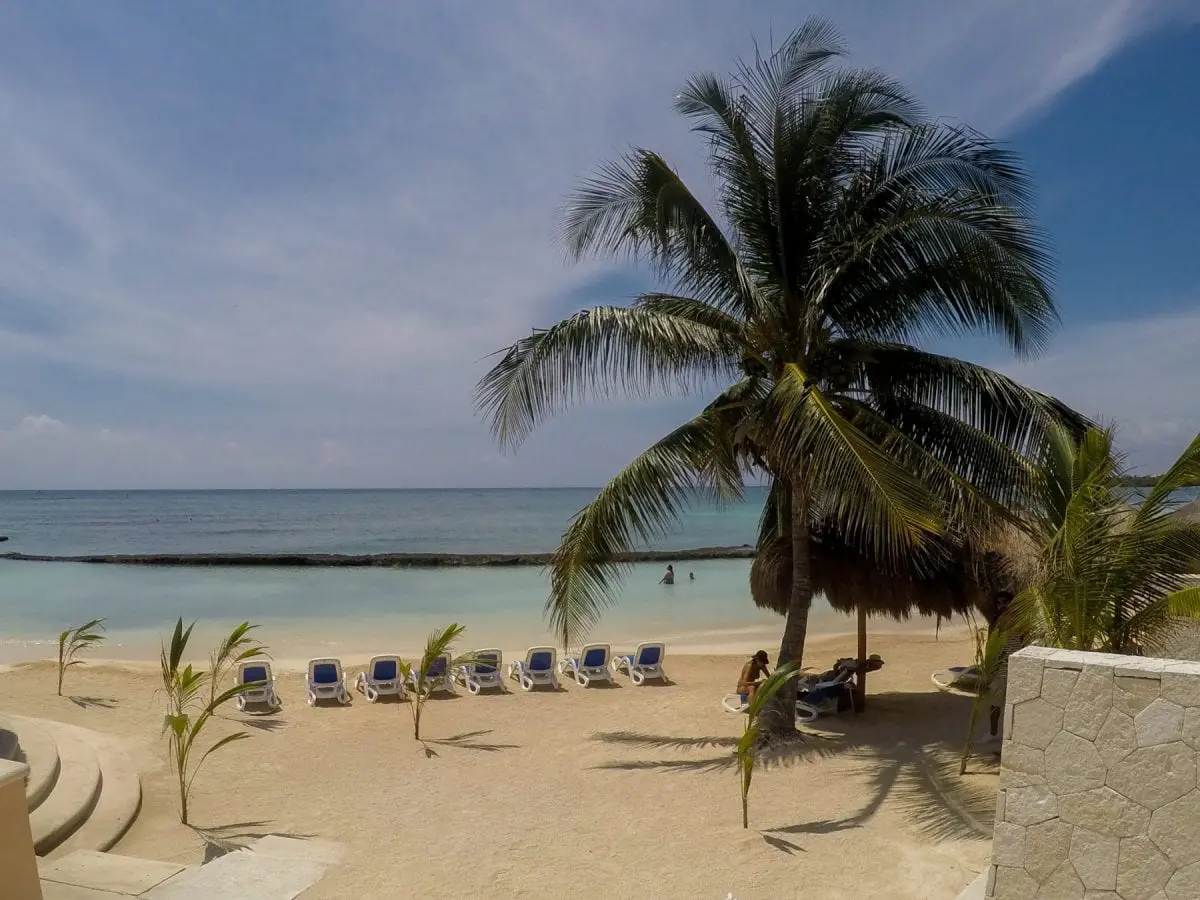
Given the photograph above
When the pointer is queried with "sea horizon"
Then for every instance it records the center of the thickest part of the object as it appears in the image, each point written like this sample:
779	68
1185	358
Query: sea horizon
331	611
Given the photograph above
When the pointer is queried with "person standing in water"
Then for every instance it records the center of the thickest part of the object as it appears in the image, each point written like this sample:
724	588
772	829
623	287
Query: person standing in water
669	577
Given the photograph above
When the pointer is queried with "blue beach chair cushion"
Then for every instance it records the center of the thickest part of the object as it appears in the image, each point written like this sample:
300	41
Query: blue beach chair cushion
385	670
325	673
594	658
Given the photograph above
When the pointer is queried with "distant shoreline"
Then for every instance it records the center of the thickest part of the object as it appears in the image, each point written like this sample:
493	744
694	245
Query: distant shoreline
378	560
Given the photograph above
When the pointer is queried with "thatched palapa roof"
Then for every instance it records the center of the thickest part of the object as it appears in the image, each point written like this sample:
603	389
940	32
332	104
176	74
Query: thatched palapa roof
948	580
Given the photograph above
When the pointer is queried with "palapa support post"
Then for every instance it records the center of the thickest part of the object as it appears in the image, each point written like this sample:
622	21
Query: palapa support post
860	680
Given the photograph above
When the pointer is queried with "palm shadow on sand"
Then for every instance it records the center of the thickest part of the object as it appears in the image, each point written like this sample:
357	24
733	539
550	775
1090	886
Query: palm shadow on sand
94	702
468	740
222	839
907	745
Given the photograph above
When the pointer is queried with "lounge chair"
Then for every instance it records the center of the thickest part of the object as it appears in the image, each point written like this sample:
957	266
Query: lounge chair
440	676
258	673
590	665
738	703
843	669
829	697
643	663
326	681
486	670
381	679
962	680
538	667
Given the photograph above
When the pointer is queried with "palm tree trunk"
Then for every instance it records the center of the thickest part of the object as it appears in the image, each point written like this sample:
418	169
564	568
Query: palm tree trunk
781	717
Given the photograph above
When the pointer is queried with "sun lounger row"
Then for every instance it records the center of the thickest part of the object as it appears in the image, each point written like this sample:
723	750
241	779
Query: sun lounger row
483	670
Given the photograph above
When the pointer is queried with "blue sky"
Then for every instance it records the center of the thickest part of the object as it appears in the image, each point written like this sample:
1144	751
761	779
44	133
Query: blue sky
246	248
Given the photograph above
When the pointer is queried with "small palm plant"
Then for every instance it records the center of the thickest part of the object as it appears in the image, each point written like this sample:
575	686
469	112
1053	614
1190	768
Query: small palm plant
236	648
748	746
188	714
423	686
1111	577
71	641
989	658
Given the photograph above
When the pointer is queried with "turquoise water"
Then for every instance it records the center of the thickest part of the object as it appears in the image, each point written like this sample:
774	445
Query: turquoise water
307	612
310	611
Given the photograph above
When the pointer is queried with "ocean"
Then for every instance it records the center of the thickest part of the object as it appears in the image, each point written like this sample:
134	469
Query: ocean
310	612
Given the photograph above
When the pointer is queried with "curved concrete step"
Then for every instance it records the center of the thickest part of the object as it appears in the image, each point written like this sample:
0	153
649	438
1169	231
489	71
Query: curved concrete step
40	752
75	792
119	803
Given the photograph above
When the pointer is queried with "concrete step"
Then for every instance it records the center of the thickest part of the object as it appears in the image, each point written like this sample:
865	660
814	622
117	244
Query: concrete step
977	889
273	868
75	793
39	751
119	803
122	875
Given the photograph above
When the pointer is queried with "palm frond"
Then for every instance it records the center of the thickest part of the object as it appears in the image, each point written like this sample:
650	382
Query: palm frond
639	207
1184	472
641	503
878	502
987	401
934	234
596	353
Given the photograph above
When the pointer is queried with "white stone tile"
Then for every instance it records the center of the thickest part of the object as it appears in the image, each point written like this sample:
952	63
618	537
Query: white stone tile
1142	870
1155	776
1159	723
1105	811
1094	856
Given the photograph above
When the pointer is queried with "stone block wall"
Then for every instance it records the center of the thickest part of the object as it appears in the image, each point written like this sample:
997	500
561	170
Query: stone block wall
1098	781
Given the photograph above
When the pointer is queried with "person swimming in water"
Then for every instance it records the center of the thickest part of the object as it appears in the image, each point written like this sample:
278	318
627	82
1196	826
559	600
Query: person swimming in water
691	576
669	577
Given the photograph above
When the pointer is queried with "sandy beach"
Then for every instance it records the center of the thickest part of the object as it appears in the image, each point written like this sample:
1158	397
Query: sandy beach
622	792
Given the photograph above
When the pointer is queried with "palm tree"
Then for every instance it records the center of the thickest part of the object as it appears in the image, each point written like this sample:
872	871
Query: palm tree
848	227
1110	577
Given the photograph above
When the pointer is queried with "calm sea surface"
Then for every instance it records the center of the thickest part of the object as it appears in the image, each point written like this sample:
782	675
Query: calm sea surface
311	611
365	521
307	612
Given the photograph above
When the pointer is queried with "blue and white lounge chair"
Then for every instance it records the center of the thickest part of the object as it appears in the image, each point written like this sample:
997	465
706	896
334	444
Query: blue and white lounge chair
381	679
440	676
592	664
738	703
643	663
258	673
828	697
538	667
326	681
486	670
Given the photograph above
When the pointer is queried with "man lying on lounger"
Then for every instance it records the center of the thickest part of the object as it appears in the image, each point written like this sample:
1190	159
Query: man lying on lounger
752	673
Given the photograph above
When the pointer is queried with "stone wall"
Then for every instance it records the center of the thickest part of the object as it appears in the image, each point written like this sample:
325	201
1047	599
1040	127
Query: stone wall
1098	792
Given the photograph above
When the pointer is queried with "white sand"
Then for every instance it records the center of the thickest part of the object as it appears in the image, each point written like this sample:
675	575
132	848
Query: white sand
625	792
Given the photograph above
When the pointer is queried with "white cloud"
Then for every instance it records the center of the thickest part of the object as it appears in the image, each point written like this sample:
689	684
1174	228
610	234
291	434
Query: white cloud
1140	374
345	273
33	426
